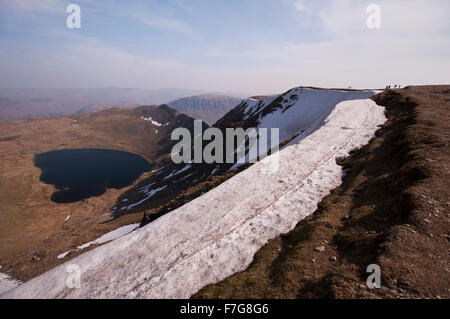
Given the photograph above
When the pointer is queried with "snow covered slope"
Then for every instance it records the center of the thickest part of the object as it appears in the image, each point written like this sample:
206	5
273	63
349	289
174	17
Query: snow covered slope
297	110
293	111
217	234
6	283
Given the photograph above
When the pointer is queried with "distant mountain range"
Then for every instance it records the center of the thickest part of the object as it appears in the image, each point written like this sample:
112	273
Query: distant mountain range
206	107
18	104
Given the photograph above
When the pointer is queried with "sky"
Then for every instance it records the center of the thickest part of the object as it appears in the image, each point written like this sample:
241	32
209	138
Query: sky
254	46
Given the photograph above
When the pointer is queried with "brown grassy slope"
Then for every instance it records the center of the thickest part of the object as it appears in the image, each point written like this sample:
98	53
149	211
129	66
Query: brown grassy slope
392	209
30	223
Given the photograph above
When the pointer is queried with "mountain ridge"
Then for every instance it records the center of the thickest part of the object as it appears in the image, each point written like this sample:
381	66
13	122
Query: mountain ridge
213	248
17	104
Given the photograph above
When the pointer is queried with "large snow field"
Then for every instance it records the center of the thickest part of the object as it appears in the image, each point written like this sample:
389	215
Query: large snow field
303	108
217	234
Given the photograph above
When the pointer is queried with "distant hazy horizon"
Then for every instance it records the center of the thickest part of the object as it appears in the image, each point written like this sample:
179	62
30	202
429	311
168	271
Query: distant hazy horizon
249	46
187	90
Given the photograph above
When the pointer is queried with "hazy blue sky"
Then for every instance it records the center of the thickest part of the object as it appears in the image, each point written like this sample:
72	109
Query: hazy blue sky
255	46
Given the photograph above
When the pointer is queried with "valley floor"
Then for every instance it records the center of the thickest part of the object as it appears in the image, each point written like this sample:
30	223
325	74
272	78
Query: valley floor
392	210
33	229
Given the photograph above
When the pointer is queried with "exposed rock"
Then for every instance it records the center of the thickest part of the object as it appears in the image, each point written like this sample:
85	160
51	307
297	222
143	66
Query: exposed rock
320	248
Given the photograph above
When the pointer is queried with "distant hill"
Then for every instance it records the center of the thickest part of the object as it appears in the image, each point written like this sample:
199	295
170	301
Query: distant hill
18	104
206	107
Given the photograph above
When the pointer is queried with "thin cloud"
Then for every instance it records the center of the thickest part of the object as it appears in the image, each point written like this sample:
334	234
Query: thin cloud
299	6
41	6
165	24
334	47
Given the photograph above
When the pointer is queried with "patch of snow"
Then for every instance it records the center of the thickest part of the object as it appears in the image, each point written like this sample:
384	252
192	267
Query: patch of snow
149	119
61	256
117	233
181	179
149	194
67	218
125	200
216	235
145	188
214	171
235	165
7	283
160	170
188	166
